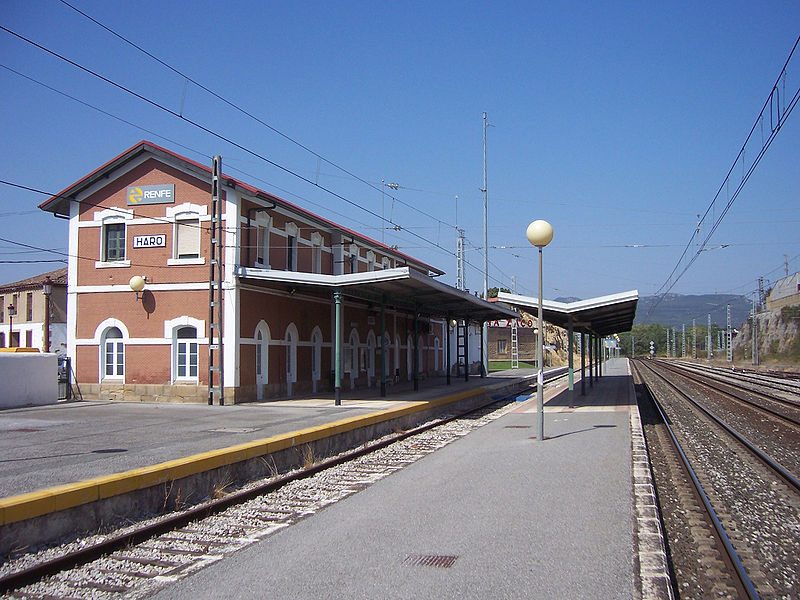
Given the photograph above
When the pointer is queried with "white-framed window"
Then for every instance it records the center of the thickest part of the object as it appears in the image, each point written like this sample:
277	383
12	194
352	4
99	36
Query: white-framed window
370	261
263	226
353	258
386	263
185	353
113	249
292	234
370	355
112	354
113	236
186	233
187	238
291	352
409	356
316	253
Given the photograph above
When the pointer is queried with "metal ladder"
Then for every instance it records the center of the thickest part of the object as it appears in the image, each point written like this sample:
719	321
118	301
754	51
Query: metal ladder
514	344
462	348
215	290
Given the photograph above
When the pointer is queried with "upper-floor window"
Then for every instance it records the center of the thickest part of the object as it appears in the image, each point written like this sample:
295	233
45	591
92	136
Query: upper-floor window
2	309
113	242
292	233
386	263
263	223
187	238
316	253
353	258
370	261
186	233
29	306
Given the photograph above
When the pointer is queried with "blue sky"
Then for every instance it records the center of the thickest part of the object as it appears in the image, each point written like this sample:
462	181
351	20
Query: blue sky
616	122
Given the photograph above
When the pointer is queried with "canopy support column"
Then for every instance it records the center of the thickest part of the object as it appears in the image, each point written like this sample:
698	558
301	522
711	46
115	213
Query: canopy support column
416	350
583	365
337	345
570	362
448	360
383	346
591	361
484	354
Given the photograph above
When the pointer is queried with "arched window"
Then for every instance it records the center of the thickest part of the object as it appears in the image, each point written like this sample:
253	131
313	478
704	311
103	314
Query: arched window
113	354
185	354
409	356
261	358
437	347
291	353
420	354
370	354
316	355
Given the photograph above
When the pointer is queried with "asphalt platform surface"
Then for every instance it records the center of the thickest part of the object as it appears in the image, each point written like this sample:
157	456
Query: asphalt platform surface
45	446
524	518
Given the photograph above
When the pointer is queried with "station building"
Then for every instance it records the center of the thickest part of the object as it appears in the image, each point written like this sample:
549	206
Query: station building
293	283
32	308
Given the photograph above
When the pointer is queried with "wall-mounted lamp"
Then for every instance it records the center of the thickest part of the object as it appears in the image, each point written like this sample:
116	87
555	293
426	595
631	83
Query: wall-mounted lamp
453	323
137	284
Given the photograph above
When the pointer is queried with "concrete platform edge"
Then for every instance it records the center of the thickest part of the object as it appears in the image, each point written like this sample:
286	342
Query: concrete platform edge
50	514
651	567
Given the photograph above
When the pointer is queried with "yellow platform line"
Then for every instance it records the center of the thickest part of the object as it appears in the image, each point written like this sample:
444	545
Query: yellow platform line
61	497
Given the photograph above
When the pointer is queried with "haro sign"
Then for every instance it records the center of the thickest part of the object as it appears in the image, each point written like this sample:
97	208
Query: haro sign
151	194
510	322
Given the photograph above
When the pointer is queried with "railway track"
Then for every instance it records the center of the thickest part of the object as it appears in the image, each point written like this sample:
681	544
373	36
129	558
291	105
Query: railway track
753	501
135	562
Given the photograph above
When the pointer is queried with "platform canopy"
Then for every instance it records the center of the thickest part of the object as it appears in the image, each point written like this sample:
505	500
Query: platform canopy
402	287
599	316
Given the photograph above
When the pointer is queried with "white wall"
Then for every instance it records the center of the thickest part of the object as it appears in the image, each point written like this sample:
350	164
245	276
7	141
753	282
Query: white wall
29	378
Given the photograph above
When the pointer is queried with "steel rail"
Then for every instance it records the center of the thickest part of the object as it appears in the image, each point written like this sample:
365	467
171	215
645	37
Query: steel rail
769	461
741	572
34	573
698	378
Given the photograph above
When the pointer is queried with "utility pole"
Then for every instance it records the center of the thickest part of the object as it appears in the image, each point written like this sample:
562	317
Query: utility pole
708	336
694	338
461	283
729	337
683	340
667	342
485	190
755	331
215	292
786	264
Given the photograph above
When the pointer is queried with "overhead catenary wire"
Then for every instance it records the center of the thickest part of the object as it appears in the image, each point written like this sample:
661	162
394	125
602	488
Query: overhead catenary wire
216	134
775	126
247	113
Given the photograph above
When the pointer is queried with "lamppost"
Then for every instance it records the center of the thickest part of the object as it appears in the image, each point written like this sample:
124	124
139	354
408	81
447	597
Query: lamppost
47	289
540	233
12	310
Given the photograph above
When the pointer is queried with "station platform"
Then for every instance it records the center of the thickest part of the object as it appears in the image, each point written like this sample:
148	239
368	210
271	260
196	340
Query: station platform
52	445
517	517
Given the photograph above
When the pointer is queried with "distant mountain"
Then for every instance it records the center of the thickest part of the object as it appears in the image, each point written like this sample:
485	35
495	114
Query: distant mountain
676	309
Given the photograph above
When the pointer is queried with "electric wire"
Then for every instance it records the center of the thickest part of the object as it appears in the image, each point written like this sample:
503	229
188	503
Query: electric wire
775	128
215	134
248	113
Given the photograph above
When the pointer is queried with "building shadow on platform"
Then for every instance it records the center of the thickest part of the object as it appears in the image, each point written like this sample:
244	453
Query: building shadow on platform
610	390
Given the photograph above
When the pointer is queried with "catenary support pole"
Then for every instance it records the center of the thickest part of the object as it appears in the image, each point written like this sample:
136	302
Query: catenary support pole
583	364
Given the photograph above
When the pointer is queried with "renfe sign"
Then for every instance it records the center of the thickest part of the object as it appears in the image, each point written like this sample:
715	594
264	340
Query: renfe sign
151	194
150	241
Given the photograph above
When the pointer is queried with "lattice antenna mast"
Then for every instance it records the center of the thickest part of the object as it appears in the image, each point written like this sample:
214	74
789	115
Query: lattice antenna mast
215	371
461	282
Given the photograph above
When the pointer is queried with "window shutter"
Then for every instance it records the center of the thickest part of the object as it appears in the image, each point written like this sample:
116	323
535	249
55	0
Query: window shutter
188	239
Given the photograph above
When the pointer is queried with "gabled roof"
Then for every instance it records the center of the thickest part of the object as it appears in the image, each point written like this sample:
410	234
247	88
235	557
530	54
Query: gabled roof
59	204
603	315
58	277
401	287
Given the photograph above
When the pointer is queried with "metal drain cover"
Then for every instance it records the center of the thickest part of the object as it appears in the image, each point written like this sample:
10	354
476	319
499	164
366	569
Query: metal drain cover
517	426
234	430
430	560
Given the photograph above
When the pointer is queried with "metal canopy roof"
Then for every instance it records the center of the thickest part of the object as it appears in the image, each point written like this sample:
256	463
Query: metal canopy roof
599	316
401	287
